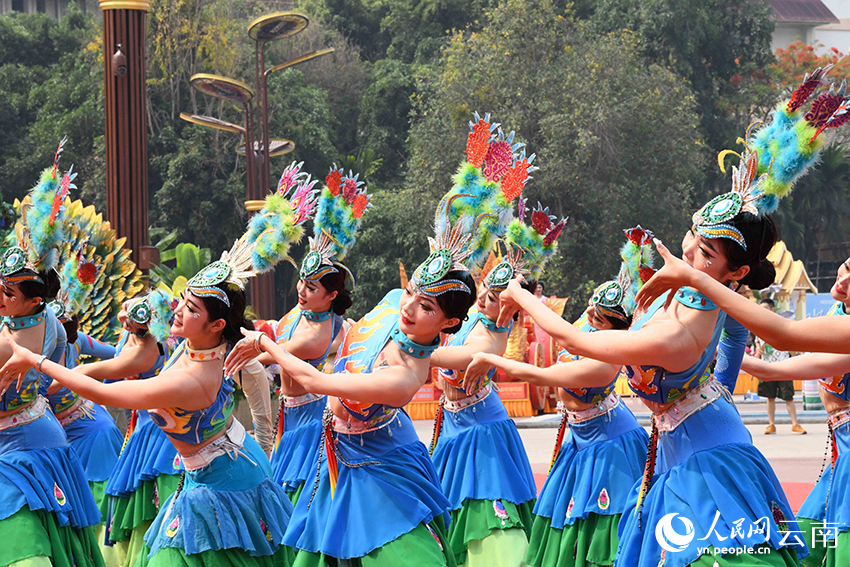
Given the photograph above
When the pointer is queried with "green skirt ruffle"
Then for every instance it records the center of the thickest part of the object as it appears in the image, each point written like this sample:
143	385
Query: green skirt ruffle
294	496
173	557
142	506
476	519
414	549
98	490
782	557
836	552
587	542
28	534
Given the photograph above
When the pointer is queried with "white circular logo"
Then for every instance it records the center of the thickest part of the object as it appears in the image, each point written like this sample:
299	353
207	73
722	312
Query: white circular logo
670	539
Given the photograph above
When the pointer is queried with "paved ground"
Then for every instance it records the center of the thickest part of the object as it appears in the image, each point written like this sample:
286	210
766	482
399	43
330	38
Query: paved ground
796	459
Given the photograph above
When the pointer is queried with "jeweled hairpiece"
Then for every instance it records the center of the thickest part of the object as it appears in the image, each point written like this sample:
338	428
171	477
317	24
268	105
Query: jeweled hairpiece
341	205
529	247
152	311
776	156
268	238
41	229
448	251
616	298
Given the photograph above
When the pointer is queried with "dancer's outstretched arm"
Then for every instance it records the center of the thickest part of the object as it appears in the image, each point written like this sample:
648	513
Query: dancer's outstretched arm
391	385
815	334
584	373
813	366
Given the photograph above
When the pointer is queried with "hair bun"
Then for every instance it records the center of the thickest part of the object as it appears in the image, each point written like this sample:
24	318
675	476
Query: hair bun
761	276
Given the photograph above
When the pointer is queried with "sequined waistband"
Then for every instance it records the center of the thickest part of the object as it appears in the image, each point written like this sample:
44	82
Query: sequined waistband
80	408
688	405
455	406
602	408
839	418
296	401
356	426
26	415
228	444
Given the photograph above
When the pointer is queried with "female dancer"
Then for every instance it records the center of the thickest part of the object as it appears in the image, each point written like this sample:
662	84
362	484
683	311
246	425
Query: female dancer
309	330
592	470
707	470
384	504
823	517
90	429
47	513
476	448
228	511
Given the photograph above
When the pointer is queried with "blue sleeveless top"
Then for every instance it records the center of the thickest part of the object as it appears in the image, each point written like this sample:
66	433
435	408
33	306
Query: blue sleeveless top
837	385
586	395
63	398
363	342
36	382
656	384
455	377
195	426
286	326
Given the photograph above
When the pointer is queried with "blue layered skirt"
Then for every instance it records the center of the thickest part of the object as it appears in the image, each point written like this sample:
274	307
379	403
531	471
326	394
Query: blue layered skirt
97	442
598	464
484	472
293	458
389	490
43	486
712	490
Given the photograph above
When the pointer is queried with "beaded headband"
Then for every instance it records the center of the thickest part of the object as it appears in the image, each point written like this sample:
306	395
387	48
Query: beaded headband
154	312
616	298
775	157
448	251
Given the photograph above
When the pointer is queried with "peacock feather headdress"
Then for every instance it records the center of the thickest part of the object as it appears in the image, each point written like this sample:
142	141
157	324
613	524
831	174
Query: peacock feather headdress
775	156
268	238
493	175
529	246
77	278
616	298
153	311
342	202
41	229
448	252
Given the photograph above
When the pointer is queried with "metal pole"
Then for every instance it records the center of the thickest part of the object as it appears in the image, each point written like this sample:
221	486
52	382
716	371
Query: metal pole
264	113
126	124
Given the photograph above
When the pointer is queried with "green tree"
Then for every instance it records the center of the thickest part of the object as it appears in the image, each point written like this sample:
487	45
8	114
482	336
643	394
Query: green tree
617	138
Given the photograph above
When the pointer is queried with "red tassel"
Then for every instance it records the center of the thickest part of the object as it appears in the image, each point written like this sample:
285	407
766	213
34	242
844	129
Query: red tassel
134	417
438	426
558	441
333	466
280	423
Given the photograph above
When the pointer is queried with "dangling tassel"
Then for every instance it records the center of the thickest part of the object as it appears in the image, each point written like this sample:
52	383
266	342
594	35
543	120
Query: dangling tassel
134	417
558	441
280	422
831	465
110	512
333	465
438	425
834	446
649	468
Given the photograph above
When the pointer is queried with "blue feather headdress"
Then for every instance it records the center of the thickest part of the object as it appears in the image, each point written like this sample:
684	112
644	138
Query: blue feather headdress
775	157
616	298
341	205
493	175
154	312
41	228
270	234
529	246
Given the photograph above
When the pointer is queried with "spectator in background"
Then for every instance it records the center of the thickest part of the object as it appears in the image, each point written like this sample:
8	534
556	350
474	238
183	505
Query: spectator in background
783	389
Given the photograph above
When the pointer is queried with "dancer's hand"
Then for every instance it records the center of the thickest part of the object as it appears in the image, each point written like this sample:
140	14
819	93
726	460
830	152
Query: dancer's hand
672	276
509	302
17	366
475	373
244	351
